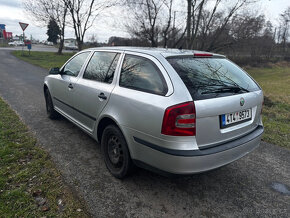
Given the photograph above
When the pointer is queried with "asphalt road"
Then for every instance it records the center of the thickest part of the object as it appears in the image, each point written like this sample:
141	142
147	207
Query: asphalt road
252	186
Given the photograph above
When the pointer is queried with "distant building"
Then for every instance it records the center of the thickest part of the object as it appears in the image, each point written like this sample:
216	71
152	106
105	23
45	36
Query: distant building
16	38
19	37
3	34
9	35
3	31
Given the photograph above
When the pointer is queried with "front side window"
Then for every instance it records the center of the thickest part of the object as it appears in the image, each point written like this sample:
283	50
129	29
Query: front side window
74	66
102	67
142	74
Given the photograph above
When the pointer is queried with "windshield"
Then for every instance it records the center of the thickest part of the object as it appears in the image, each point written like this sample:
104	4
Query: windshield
212	77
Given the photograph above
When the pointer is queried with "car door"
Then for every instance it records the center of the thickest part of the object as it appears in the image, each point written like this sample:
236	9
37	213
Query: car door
63	86
140	97
93	89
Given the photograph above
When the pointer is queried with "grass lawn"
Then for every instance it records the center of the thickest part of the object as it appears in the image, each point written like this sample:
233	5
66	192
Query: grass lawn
275	82
43	59
4	45
274	79
30	184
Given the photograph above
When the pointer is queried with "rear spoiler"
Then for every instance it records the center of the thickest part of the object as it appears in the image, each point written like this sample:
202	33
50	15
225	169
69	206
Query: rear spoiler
207	55
197	55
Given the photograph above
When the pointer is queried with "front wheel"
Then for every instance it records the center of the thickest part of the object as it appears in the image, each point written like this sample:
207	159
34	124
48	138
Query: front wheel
115	152
51	113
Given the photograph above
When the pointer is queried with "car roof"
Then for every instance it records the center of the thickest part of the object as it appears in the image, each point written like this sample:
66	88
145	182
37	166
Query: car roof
166	52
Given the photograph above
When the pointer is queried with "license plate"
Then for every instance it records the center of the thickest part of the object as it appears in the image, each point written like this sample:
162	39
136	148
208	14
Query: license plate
235	118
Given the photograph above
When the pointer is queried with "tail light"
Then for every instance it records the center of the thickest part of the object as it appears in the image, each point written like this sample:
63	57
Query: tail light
179	120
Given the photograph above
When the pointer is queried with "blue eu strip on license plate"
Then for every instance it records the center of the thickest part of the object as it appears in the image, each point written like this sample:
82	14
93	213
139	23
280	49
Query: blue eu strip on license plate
223	120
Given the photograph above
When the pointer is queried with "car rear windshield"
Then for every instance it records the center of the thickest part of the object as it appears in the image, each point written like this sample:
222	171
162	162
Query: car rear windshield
212	77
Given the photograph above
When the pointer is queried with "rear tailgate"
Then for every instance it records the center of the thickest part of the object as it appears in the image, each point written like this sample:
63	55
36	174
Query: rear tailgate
210	130
227	100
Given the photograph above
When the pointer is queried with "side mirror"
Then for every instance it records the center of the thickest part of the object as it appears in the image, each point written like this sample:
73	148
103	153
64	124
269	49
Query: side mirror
54	71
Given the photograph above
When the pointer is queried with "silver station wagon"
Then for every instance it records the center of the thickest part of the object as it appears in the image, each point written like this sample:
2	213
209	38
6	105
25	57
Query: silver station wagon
166	110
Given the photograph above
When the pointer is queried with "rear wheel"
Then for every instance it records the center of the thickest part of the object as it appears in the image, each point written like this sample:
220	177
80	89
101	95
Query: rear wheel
115	152
51	113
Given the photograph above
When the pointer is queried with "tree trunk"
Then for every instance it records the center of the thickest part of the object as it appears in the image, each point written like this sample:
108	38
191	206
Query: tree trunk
60	46
165	42
188	25
154	42
63	23
80	44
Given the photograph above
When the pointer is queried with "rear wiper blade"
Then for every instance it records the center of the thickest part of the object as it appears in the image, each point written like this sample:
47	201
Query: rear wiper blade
225	89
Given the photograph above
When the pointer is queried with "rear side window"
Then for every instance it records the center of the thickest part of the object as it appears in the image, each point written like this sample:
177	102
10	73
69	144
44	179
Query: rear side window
142	74
212	77
73	67
102	67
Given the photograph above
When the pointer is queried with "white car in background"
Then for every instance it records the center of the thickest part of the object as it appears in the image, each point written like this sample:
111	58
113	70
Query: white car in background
70	44
20	43
12	43
71	47
16	43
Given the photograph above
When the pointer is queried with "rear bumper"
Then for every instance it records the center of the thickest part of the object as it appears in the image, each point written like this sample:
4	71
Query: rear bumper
195	161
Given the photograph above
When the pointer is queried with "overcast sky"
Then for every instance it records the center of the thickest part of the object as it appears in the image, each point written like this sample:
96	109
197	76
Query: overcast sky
11	13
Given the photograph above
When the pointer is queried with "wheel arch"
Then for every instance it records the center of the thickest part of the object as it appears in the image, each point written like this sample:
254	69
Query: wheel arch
103	123
45	87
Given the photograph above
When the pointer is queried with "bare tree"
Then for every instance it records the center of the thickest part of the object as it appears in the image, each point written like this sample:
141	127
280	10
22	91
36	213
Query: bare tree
284	27
231	11
84	13
202	22
145	22
194	12
250	34
166	30
44	10
151	20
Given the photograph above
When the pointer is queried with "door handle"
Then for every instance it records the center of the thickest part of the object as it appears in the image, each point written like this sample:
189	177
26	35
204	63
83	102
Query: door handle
102	96
70	86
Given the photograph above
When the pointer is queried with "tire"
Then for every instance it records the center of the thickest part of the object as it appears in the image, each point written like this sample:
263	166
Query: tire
116	153
51	113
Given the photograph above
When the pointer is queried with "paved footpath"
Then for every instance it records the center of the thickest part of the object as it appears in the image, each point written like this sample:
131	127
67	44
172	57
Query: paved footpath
244	188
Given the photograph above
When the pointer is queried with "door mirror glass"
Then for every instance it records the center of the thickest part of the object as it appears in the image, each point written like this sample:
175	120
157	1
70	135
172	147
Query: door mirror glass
54	71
